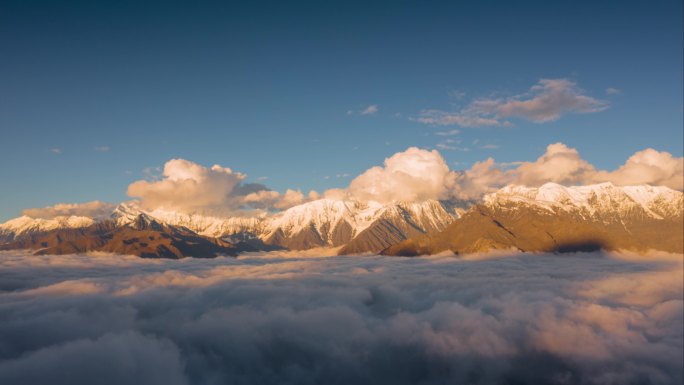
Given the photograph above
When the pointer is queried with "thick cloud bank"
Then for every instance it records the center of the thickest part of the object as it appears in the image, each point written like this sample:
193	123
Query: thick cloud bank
524	319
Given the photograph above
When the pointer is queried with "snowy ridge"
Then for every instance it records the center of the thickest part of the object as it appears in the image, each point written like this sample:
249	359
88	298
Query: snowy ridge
328	222
26	225
326	215
602	199
322	215
210	226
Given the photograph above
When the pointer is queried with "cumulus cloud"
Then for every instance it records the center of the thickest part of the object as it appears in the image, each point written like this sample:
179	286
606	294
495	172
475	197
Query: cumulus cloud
188	187
412	175
94	209
580	319
564	165
651	167
419	174
546	101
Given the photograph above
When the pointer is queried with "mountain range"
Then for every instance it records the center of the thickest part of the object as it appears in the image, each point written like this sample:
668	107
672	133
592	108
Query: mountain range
547	218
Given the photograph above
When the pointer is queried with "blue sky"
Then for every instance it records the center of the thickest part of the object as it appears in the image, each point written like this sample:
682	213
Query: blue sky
93	94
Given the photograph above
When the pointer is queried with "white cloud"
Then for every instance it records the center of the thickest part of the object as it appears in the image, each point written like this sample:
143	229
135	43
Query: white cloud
412	175
370	110
56	150
102	149
546	101
564	165
188	187
613	91
650	167
94	209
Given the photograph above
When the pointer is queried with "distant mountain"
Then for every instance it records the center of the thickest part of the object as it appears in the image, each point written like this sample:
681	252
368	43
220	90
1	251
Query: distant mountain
355	227
136	235
24	226
557	218
549	218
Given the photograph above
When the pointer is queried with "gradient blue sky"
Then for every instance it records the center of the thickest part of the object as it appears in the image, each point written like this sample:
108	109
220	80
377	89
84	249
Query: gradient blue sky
265	87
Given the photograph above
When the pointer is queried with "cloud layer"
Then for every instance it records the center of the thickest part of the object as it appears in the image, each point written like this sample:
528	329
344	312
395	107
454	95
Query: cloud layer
546	101
572	319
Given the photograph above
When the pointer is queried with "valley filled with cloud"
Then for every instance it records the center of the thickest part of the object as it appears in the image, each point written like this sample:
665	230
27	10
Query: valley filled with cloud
300	318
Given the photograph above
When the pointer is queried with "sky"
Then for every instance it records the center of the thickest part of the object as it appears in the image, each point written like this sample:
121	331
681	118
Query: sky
304	95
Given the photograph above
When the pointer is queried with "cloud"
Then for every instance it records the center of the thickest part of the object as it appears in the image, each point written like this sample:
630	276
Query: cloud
370	110
418	174
465	118
648	167
489	146
188	187
448	133
412	175
56	151
613	91
564	165
94	209
546	101
102	149
584	318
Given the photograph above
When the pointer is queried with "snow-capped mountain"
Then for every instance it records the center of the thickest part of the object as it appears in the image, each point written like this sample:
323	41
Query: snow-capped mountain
361	227
26	226
368	226
557	218
321	223
597	202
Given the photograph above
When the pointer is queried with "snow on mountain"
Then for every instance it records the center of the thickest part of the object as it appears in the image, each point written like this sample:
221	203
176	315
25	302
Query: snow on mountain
371	226
26	225
328	222
592	201
208	225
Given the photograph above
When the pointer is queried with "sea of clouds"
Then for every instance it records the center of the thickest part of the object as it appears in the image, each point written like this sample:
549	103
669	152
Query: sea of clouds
590	318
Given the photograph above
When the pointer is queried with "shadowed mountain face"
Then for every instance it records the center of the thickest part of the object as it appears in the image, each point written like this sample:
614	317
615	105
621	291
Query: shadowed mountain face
142	237
528	228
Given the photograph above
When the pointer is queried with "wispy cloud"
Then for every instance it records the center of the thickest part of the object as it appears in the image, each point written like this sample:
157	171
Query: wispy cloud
613	91
490	146
370	110
56	150
448	133
546	101
102	148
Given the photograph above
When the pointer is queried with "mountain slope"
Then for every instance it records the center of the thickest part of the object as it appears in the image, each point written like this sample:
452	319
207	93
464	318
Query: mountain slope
557	218
140	236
